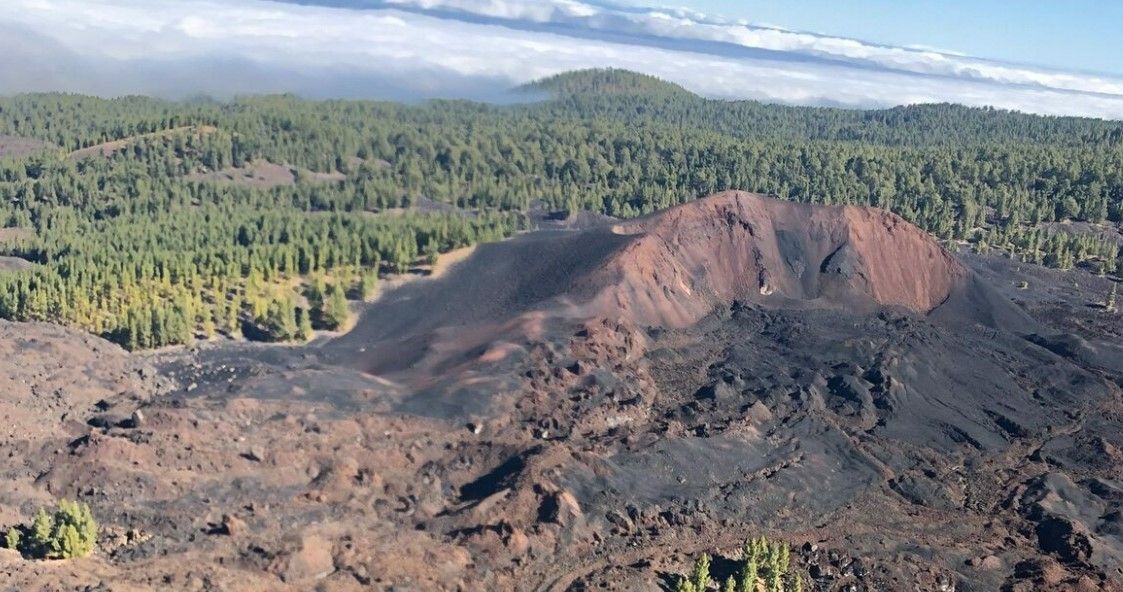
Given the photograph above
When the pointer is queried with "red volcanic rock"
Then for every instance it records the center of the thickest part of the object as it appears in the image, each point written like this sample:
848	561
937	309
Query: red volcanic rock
741	246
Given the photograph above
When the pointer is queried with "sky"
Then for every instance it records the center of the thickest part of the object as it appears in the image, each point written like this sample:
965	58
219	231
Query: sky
858	53
1069	34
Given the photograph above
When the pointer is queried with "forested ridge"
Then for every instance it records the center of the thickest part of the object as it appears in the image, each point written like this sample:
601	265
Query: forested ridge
133	241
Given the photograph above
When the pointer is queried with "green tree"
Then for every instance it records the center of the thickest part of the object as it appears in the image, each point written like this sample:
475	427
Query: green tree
304	324
368	283
12	538
69	532
750	569
41	529
280	322
700	575
336	311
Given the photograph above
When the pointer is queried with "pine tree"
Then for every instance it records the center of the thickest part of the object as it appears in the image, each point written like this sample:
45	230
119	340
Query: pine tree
41	528
279	322
76	531
13	538
209	329
368	284
336	310
66	543
700	576
775	569
304	324
233	320
750	571
317	291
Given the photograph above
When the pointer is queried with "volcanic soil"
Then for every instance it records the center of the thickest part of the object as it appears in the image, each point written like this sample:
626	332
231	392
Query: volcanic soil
592	408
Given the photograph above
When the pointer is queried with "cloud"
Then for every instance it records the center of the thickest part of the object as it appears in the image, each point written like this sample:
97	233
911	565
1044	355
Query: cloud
478	49
690	25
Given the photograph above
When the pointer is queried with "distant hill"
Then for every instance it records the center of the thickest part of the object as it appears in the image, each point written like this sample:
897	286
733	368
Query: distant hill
606	81
640	99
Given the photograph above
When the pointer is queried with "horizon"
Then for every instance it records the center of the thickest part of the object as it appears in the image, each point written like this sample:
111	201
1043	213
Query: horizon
523	93
409	50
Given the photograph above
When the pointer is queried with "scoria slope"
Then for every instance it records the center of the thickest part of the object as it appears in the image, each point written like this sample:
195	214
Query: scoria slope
591	409
668	269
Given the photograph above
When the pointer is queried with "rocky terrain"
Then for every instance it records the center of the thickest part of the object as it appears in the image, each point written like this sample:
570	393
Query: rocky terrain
590	409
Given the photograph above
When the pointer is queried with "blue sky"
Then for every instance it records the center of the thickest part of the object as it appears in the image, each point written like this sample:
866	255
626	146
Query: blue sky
1067	34
846	53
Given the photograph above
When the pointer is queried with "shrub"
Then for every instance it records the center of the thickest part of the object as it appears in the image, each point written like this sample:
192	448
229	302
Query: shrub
69	532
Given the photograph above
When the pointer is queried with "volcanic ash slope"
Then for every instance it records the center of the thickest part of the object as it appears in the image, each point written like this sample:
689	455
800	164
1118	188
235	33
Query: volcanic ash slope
669	269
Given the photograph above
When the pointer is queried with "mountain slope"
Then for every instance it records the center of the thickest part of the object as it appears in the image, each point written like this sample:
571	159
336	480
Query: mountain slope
670	269
589	409
830	374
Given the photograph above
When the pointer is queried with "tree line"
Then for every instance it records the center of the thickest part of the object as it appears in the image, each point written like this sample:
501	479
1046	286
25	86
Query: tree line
138	246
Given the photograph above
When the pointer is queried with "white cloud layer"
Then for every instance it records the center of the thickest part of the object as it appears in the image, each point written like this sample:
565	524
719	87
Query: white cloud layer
480	48
689	25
